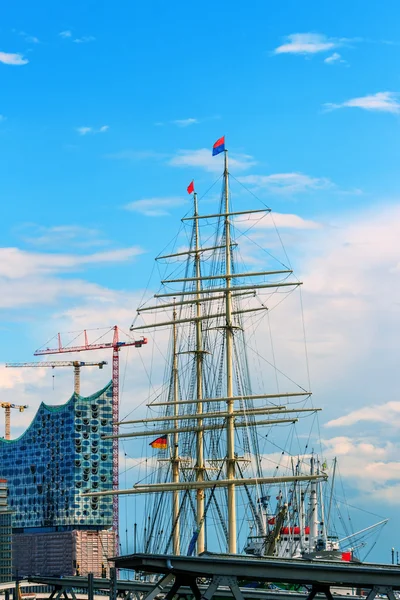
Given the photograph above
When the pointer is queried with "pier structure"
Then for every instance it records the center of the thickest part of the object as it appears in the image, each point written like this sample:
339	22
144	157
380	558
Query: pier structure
218	576
227	571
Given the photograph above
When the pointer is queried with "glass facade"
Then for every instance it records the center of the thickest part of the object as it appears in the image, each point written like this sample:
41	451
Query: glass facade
59	456
5	535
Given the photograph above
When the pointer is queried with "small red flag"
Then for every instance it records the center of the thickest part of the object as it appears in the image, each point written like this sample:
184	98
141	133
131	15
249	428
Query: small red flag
190	188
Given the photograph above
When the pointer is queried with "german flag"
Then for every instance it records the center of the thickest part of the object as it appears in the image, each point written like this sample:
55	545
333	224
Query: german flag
160	443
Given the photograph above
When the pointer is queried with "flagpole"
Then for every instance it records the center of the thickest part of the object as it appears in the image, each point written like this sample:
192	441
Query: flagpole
230	430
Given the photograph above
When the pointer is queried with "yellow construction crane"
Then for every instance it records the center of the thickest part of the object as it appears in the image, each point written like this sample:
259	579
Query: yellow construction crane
7	408
77	364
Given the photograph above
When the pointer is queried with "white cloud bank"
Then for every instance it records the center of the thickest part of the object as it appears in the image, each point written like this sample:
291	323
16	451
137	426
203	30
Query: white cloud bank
17	264
388	413
379	102
33	278
350	294
372	467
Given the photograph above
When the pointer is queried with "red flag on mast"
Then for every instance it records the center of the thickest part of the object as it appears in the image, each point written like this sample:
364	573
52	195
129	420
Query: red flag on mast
190	188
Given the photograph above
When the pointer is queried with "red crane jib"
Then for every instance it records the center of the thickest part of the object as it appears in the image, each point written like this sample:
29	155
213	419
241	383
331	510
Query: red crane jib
115	345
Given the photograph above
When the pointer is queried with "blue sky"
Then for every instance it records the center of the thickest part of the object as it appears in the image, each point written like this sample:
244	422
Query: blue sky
108	110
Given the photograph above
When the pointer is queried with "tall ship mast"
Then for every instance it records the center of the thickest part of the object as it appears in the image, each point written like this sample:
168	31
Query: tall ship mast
210	482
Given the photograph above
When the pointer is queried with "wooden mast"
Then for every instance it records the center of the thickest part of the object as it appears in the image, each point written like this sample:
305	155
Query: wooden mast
199	393
230	429
175	450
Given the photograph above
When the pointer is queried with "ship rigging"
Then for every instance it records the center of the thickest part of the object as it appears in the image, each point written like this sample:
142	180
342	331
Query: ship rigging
210	474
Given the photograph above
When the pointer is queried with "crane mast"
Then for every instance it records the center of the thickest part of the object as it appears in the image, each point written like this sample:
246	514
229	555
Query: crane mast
7	411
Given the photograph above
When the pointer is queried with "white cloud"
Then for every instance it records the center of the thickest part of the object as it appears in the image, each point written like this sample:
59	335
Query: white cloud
286	182
307	43
185	122
351	309
15	59
388	413
204	160
154	207
17	264
65	235
44	291
371	467
92	130
351	292
84	39
379	102
282	221
42	279
334	58
84	130
12	377
31	39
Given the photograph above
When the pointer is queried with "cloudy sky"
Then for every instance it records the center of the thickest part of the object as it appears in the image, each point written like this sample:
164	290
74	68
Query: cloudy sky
108	110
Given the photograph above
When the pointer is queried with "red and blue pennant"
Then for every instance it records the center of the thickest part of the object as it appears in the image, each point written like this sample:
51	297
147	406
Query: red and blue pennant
219	146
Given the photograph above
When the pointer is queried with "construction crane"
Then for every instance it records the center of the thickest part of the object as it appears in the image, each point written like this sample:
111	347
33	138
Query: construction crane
7	408
63	363
116	346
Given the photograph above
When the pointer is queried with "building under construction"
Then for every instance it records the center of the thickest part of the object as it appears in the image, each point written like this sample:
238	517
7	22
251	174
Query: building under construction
56	530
